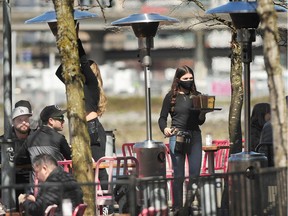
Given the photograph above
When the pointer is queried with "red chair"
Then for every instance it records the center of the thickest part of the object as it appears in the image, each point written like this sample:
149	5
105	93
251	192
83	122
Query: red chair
169	173
220	158
50	210
117	167
127	149
66	164
79	210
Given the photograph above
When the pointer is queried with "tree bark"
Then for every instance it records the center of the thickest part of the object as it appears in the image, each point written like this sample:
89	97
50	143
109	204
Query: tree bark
235	131
80	141
268	20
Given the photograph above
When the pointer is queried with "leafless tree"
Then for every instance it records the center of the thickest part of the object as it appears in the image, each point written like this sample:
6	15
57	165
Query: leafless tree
268	19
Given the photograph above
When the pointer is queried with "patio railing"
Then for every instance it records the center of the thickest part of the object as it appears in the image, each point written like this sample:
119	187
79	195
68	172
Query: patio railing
261	192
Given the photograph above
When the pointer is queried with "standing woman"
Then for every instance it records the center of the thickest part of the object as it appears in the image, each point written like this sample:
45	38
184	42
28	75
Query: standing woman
95	103
178	103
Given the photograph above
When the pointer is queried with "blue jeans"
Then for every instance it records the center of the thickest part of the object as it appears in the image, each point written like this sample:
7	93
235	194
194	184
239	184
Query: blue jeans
194	155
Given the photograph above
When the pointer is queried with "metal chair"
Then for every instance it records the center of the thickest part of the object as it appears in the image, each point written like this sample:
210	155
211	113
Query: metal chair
66	164
79	210
117	167
127	149
220	158
50	210
169	173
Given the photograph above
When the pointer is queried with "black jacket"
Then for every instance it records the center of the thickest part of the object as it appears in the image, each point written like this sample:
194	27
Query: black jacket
58	186
22	174
45	140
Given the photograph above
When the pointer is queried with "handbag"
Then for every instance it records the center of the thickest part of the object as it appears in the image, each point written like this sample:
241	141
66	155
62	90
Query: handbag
183	139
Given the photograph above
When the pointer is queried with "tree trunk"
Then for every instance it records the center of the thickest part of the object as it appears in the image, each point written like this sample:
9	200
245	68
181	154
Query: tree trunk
235	131
80	141
268	19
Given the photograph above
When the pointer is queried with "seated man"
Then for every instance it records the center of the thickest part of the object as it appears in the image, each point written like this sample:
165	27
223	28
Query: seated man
56	186
47	139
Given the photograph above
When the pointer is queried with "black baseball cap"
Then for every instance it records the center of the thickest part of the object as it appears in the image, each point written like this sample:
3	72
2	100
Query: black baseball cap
50	112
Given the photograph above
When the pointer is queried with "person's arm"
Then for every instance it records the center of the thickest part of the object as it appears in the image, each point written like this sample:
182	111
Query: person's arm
202	117
162	121
50	195
91	81
65	148
90	78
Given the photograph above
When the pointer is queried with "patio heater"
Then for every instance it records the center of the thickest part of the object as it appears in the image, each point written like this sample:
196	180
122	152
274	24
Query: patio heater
245	18
50	17
151	154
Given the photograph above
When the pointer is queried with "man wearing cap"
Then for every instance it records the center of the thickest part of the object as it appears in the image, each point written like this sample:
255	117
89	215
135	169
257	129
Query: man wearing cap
47	140
20	130
21	126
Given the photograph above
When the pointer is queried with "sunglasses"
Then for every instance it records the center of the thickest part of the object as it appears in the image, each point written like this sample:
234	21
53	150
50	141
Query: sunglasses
59	118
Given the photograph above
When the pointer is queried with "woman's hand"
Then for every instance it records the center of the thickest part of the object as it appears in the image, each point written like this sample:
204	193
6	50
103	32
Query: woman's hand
168	132
77	29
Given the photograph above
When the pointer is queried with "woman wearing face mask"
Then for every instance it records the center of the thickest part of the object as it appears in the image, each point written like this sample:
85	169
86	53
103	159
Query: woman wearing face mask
184	123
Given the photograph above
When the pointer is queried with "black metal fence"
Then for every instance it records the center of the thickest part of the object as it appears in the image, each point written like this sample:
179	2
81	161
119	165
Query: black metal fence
258	192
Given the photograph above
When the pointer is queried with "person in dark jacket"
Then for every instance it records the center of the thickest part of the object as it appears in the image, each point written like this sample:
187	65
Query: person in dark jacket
56	186
19	132
178	104
261	113
47	140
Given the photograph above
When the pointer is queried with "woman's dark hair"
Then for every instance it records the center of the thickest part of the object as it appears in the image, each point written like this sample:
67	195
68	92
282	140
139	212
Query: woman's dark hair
102	97
175	84
258	114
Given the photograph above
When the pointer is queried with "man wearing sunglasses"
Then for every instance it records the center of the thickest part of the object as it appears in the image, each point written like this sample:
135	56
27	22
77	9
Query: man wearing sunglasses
47	139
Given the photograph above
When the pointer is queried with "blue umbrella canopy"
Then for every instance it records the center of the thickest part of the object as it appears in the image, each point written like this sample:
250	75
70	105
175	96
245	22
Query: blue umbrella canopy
50	16
144	18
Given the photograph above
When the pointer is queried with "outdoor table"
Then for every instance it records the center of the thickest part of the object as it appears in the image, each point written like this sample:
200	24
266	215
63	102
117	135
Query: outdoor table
13	214
210	150
106	165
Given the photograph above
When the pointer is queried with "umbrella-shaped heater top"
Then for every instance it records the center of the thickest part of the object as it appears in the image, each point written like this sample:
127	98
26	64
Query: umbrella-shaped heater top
50	16
144	18
243	13
144	25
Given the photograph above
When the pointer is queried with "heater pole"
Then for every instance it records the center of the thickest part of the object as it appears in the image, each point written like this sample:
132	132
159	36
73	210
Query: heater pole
145	45
246	37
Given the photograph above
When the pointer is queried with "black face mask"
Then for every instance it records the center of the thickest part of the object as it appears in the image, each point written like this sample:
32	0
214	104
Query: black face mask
186	84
